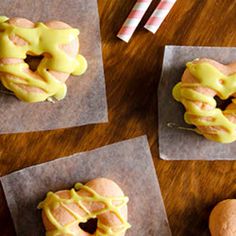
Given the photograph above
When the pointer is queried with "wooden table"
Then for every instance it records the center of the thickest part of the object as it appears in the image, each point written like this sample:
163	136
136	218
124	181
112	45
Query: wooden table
190	188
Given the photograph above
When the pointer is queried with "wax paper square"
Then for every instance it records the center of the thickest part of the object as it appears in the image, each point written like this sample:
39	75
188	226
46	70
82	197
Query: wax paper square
176	143
128	163
85	102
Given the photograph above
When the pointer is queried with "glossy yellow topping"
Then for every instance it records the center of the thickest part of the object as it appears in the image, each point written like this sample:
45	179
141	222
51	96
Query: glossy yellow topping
222	129
41	40
53	201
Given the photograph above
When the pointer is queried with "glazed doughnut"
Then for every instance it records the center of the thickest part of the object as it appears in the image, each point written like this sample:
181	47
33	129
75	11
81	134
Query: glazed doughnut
222	221
56	41
101	198
201	82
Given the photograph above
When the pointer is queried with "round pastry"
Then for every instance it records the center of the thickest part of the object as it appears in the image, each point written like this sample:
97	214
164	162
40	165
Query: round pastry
101	198
55	41
202	80
222	220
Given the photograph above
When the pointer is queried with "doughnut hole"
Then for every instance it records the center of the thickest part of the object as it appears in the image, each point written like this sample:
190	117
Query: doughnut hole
33	61
90	226
222	104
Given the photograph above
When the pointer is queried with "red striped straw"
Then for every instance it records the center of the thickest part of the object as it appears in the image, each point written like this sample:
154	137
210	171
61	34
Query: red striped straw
133	20
159	15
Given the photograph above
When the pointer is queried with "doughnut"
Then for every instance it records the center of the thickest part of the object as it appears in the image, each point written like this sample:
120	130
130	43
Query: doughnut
202	81
100	199
55	41
222	221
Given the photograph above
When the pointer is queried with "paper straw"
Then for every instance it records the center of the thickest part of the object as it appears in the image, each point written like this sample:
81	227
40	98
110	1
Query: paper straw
133	20
159	15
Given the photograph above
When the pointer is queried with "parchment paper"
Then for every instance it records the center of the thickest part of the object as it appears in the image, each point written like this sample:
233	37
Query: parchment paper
85	102
178	144
128	163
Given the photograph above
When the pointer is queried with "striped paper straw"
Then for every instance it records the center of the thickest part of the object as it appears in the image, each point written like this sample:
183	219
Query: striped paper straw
159	15
133	20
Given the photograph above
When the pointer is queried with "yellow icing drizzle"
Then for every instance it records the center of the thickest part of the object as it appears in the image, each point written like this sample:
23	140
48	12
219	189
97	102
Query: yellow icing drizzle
53	201
225	86
40	40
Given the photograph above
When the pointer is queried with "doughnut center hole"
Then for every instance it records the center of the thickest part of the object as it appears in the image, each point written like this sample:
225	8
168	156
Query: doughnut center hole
33	61
90	226
222	104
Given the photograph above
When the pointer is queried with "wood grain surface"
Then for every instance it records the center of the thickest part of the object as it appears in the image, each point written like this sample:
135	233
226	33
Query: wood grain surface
190	188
